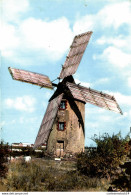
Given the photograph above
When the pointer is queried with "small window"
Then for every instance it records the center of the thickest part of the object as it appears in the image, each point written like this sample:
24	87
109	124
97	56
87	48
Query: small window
61	126
63	105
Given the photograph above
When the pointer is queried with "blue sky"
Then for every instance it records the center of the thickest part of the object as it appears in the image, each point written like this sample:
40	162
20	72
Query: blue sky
36	35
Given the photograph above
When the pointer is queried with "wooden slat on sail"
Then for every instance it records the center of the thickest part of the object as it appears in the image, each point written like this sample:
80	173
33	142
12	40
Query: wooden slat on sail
30	77
94	97
48	121
75	54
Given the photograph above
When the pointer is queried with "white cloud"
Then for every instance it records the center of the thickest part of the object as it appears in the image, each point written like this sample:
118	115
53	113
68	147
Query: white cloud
116	57
50	39
122	99
8	38
85	84
115	14
25	103
45	38
119	41
102	115
101	81
112	15
84	24
12	9
20	37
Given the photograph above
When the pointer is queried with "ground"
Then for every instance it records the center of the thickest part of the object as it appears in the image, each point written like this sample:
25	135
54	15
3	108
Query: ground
57	176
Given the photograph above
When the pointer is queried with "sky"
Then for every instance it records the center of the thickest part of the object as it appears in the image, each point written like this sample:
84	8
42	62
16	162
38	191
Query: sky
36	36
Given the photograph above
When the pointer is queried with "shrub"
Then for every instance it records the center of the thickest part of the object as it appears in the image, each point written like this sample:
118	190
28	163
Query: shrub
123	182
4	152
111	150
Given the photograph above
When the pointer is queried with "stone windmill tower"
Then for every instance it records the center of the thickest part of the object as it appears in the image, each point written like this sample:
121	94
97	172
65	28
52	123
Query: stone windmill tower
62	127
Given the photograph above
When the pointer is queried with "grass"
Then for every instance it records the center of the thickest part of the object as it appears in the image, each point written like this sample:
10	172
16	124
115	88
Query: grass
3	187
50	175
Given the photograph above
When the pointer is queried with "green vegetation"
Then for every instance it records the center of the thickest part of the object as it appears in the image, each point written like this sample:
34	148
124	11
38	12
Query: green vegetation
96	170
104	163
4	152
34	176
24	176
123	182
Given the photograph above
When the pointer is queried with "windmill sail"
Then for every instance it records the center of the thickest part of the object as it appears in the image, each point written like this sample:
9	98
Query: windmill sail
30	77
94	97
75	54
48	121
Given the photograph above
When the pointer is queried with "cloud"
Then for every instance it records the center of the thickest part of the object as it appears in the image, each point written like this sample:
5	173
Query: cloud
45	38
119	41
100	114
85	23
116	57
114	48
25	103
85	84
115	15
101	81
22	35
9	40
122	99
12	9
112	15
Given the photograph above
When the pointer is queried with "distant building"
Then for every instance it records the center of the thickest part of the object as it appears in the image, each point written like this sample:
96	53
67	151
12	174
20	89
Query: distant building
22	144
15	144
26	145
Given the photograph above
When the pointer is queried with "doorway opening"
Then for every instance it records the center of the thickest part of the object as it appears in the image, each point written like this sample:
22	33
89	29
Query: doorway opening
60	148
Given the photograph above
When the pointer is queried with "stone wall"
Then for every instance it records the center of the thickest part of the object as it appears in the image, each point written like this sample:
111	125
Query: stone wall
71	139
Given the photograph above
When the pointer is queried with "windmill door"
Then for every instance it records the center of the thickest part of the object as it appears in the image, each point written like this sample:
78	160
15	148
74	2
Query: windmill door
60	148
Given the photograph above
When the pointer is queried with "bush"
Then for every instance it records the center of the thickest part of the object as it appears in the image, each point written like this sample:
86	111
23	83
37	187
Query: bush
4	152
111	150
123	182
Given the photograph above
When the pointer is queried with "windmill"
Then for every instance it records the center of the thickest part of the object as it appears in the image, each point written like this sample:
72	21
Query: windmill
62	127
